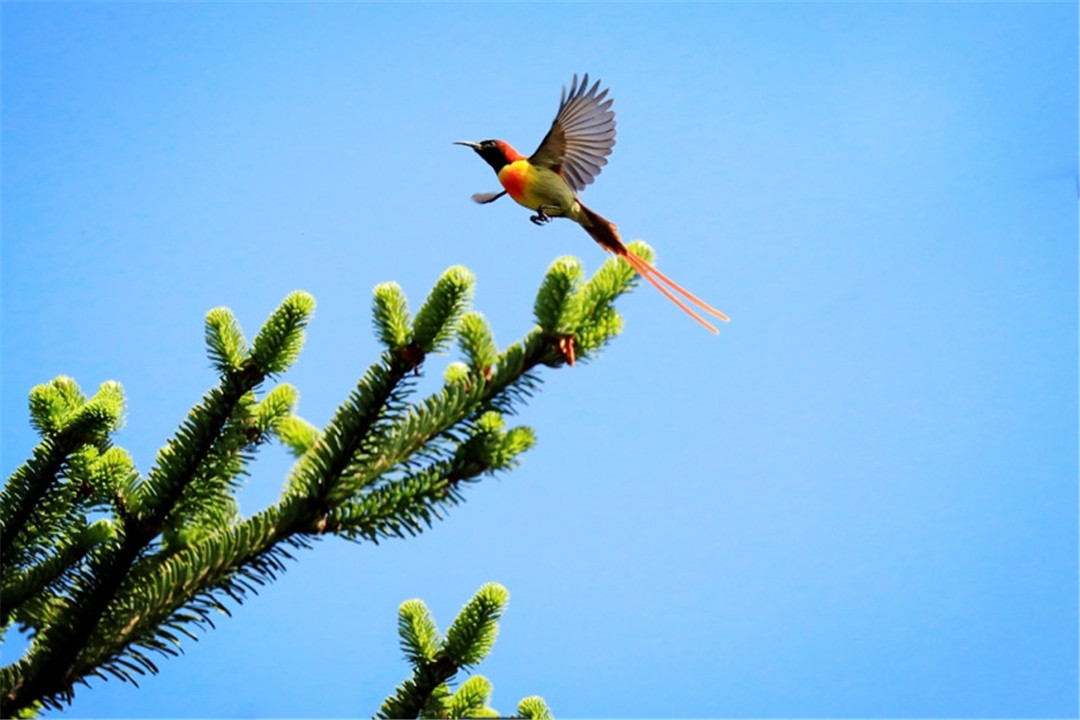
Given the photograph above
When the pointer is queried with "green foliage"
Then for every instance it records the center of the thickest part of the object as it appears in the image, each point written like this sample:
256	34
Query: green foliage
420	638
52	402
570	307
60	407
44	504
391	315
278	344
41	579
456	372
106	567
535	708
471	699
470	638
477	341
438	316
275	408
225	340
554	310
436	661
297	434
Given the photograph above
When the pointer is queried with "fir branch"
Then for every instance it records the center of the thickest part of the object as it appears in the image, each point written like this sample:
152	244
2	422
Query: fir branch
438	316
225	340
413	695
390	315
56	663
19	587
411	433
380	468
315	476
67	423
553	310
477	342
534	708
179	462
435	662
471	699
281	338
420	639
473	632
184	588
297	434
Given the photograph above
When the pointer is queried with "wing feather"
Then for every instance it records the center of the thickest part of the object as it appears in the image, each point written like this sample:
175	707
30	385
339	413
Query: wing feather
582	135
485	198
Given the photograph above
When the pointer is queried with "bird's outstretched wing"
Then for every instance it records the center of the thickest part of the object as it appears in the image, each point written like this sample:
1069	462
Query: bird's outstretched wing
581	138
485	198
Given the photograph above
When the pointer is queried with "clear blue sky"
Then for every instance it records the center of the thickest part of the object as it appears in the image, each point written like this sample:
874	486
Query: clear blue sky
860	500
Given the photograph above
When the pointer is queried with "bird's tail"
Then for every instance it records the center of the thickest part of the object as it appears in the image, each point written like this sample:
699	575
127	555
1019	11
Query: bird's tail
605	233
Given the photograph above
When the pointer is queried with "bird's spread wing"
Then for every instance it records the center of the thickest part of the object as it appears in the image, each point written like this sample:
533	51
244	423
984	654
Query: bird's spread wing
581	138
484	198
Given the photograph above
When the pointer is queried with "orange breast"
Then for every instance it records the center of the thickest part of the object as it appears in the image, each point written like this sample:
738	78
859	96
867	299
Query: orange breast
516	178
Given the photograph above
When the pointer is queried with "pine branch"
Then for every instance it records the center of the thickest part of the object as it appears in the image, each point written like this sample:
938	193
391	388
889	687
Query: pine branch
382	467
55	662
471	699
314	479
534	708
20	587
67	423
409	504
158	599
436	660
467	642
60	645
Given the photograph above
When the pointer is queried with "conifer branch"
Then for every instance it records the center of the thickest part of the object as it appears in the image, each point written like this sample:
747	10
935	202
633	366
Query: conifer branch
58	648
101	599
68	424
19	587
437	660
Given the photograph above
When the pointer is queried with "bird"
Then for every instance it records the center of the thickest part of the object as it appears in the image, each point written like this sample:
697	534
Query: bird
568	159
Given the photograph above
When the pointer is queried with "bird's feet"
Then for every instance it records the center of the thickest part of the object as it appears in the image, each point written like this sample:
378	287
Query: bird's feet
541	217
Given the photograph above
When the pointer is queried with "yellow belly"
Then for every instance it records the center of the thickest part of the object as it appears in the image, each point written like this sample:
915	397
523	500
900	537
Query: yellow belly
534	187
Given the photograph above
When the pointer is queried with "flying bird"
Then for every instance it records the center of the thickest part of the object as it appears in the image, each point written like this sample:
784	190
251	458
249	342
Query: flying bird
570	157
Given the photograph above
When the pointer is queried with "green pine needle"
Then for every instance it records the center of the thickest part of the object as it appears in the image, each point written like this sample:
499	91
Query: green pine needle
552	308
419	635
477	341
52	403
390	311
281	338
534	708
100	415
471	699
446	303
225	341
278	405
297	434
472	634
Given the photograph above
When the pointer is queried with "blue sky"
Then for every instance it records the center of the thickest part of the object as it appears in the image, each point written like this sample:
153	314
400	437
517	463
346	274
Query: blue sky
860	500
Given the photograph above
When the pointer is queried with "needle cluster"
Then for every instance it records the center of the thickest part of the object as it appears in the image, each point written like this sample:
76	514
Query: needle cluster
436	660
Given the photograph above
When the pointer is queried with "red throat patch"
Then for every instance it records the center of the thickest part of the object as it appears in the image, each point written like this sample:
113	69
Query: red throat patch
508	151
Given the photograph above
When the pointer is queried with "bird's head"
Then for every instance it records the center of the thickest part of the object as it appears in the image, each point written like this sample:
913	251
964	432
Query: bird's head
497	153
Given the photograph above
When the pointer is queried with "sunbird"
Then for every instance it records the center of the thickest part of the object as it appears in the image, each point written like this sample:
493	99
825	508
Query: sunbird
569	158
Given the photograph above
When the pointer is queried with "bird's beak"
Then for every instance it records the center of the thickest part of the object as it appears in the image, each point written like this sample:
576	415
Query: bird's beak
468	143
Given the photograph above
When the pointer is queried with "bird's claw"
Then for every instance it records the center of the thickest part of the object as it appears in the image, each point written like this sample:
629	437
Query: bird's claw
541	217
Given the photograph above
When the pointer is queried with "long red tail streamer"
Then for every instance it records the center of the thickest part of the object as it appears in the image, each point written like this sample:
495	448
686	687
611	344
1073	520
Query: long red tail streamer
605	233
658	280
